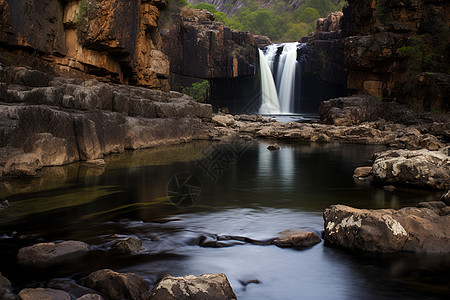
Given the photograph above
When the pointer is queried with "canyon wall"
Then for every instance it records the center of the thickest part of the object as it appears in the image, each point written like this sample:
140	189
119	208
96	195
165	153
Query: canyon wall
112	40
399	50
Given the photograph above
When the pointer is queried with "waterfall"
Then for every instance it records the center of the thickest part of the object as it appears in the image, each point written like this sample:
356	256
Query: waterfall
282	61
270	104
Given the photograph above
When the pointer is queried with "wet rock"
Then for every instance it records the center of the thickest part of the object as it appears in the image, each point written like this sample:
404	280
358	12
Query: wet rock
95	163
446	198
5	285
292	238
273	147
43	294
420	168
50	253
4	204
75	290
129	246
223	120
389	188
362	172
90	297
117	285
425	229
206	286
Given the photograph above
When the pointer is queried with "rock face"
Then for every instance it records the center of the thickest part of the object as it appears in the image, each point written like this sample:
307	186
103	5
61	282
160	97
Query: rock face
425	228
50	253
43	294
60	121
420	168
325	55
199	48
206	286
292	238
116	40
118	285
398	49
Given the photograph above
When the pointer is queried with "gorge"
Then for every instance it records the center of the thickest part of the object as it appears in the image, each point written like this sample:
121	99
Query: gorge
115	185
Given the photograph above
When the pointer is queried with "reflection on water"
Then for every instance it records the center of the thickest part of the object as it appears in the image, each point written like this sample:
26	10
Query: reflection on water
255	196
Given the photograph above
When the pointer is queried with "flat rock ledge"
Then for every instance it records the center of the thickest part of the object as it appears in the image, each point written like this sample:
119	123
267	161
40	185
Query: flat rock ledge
43	294
206	286
418	168
423	229
51	253
296	238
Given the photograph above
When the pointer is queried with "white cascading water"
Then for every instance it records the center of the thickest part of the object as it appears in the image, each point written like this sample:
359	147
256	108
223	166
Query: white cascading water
270	103
285	74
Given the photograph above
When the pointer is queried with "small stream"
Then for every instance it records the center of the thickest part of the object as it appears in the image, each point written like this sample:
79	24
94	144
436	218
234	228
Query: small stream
233	189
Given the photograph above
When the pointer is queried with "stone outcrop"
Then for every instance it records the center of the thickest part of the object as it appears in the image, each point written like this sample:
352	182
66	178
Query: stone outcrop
50	253
397	49
420	168
206	286
43	294
424	229
48	121
118	285
199	48
114	40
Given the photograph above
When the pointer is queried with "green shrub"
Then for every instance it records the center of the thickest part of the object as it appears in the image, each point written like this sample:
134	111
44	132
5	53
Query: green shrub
383	11
198	91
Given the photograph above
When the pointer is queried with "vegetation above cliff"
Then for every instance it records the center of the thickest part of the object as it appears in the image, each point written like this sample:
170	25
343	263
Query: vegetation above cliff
277	20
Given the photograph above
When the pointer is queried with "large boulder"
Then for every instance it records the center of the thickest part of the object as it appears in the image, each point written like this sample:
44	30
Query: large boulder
206	286
43	294
117	285
50	253
419	168
425	228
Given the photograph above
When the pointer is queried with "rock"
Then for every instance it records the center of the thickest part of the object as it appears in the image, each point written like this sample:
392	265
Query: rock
420	168
362	172
4	204
389	188
5	285
86	40
50	253
293	238
75	290
223	120
206	286
90	297
117	285
43	294
412	229
446	198
273	147
129	246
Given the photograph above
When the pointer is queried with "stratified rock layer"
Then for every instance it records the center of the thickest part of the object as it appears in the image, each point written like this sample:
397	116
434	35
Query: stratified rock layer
116	40
425	228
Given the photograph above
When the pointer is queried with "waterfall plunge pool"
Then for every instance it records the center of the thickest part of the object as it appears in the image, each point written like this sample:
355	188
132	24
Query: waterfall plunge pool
255	193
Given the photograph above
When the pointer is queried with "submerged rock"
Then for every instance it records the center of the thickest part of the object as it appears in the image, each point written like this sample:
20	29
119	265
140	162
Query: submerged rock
206	286
292	238
50	253
129	246
273	147
420	168
43	294
4	204
425	228
117	285
75	290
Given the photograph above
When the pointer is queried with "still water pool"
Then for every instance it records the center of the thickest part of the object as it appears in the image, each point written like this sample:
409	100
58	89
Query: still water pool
239	189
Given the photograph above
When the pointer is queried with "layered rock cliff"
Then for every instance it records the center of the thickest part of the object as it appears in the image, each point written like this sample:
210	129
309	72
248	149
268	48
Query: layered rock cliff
399	50
113	40
199	48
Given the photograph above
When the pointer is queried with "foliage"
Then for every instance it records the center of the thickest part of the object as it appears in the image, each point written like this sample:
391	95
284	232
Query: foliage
198	90
83	8
274	21
383	12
